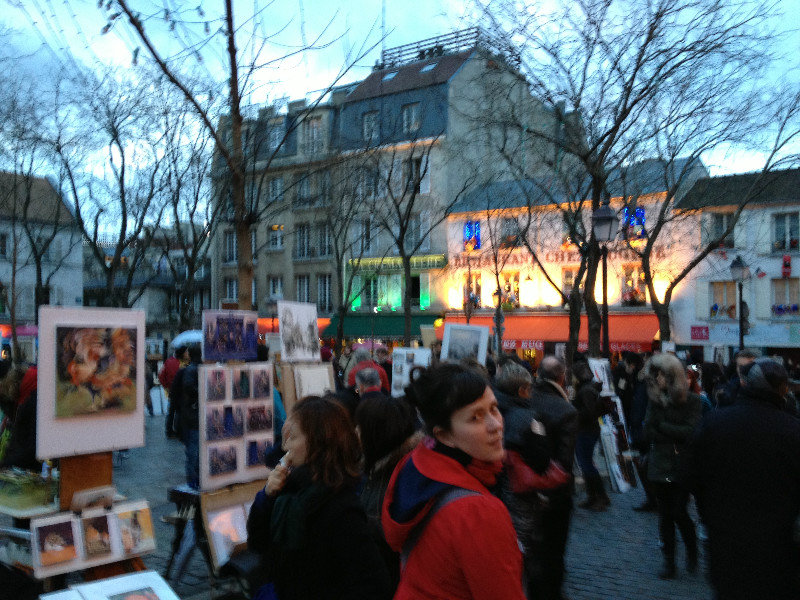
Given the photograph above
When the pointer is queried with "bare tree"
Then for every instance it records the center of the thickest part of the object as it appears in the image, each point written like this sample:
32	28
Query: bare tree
630	70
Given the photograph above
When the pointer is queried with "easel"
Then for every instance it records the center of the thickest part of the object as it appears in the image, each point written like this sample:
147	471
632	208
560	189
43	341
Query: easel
88	471
288	384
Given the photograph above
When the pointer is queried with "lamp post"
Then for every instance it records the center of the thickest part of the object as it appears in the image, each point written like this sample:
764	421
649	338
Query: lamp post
739	272
604	225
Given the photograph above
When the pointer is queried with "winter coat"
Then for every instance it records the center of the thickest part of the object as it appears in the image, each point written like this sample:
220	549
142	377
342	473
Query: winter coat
669	429
168	371
746	478
185	394
589	406
560	420
467	549
316	543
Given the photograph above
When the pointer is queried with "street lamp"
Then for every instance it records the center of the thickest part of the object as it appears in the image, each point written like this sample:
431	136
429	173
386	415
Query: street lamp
604	225
739	272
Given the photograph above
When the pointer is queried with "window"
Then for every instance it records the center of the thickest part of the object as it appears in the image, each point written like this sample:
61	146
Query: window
231	249
389	76
509	233
568	277
509	287
472	289
303	189
634	290
428	67
785	296
369	129
231	289
303	291
276	288
276	190
633	223
275	137
369	295
572	229
472	235
719	223
723	299
367	184
312	134
325	240
786	231
275	237
4	245
302	241
366	235
324	303
411	120
412	174
416	234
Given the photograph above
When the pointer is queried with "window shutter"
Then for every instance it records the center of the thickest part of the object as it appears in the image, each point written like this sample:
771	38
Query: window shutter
702	300
764	298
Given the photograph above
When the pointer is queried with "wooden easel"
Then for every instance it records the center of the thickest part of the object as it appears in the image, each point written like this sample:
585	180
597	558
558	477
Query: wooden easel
88	471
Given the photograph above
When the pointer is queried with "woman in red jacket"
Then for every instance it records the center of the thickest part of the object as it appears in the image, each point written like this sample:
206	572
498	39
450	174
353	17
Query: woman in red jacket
455	538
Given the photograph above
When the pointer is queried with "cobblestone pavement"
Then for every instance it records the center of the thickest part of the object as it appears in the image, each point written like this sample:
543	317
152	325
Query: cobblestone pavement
611	555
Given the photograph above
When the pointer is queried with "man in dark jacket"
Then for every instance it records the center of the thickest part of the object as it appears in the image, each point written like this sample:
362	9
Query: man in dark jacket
185	395
746	479
727	394
560	419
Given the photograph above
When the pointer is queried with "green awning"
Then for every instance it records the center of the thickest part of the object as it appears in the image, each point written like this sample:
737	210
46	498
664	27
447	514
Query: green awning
378	325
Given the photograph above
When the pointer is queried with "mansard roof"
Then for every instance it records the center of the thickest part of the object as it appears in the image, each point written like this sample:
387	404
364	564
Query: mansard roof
774	187
409	76
32	198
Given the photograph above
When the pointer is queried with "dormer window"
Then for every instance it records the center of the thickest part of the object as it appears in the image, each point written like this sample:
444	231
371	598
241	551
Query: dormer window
389	76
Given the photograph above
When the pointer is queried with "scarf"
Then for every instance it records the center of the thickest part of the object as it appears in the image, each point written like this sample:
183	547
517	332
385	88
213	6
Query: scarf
484	471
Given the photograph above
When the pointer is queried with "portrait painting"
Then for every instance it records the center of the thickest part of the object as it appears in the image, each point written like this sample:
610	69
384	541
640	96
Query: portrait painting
56	542
96	536
136	530
229	335
222	460
96	371
259	418
215	385
227	528
464	342
298	331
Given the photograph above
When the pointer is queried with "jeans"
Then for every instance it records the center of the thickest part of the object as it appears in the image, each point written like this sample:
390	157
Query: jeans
191	442
584	451
672	500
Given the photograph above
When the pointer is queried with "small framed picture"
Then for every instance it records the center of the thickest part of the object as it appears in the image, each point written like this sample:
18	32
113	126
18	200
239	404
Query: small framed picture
55	544
241	384
135	524
142	585
462	342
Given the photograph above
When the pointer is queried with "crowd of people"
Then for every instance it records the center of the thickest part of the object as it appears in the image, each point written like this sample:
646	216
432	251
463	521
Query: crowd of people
464	487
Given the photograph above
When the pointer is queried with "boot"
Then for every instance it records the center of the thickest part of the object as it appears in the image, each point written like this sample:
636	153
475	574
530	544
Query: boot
668	570
591	493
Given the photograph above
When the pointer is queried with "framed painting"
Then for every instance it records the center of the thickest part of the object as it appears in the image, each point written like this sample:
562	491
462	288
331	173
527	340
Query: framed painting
298	330
55	545
229	335
91	381
135	524
464	342
403	361
142	585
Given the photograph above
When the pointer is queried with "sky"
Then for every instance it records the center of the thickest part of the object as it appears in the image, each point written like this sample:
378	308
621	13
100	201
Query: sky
342	27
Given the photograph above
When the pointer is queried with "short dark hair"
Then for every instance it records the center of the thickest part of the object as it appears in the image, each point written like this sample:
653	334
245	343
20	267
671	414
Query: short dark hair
195	353
440	391
552	368
179	351
384	424
512	377
333	452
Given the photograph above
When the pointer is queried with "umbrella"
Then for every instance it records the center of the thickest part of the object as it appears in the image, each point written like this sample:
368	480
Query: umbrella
187	338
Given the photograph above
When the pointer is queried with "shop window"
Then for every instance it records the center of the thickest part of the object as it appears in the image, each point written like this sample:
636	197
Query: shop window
634	289
786	232
472	290
723	299
509	289
633	223
785	296
472	235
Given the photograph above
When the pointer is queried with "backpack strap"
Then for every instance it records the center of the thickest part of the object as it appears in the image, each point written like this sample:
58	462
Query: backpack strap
442	499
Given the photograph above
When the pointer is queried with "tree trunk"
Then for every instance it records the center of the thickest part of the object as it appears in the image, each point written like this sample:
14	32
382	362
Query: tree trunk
574	303
662	312
594	320
406	298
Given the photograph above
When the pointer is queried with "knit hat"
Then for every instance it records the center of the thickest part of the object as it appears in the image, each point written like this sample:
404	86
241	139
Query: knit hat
766	375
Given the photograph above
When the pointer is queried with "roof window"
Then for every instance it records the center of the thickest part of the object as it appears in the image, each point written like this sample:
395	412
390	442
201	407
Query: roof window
428	67
389	76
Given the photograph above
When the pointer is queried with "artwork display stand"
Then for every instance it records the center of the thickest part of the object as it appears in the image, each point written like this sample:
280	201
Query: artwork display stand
289	373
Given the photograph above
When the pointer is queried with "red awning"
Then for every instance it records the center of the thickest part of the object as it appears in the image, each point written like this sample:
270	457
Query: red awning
632	332
273	325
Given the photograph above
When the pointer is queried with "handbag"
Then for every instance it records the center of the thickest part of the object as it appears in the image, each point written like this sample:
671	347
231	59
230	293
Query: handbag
525	480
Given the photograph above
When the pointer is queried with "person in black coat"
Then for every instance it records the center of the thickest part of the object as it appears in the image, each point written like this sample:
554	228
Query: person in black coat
590	408
184	393
308	523
560	419
746	478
